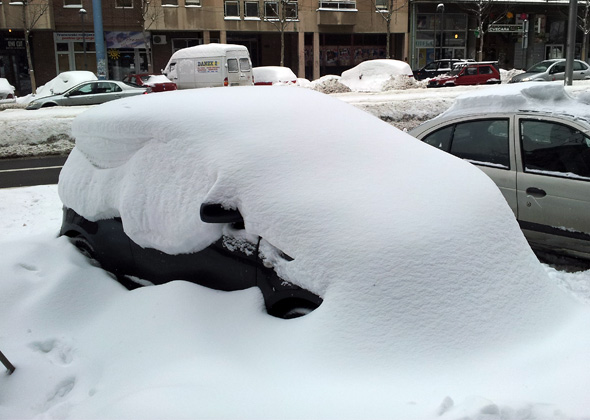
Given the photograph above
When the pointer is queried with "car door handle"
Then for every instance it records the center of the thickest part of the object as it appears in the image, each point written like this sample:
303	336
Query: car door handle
536	192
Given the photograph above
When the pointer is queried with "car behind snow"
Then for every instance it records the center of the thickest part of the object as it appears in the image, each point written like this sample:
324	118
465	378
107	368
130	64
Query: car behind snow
535	149
551	70
469	73
156	83
88	93
270	75
6	91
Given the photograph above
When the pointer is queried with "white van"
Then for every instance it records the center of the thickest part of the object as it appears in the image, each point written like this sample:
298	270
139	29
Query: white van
210	65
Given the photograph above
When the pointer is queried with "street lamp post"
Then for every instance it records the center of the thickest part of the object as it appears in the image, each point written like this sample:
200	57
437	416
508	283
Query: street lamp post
441	8
82	14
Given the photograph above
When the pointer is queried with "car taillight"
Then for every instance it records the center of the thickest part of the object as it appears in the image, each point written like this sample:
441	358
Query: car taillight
10	96
225	82
147	90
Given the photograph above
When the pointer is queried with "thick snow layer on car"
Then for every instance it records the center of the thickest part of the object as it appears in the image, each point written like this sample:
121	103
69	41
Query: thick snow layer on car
273	74
206	50
63	82
532	96
370	75
157	78
5	87
394	234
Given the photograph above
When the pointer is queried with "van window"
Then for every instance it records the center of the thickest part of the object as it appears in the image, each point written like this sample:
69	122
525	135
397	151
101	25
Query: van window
244	64
232	65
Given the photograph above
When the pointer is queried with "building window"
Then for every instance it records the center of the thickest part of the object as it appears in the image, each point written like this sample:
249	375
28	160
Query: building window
337	5
271	10
179	43
192	3
232	9
73	3
251	9
124	4
382	5
170	3
290	10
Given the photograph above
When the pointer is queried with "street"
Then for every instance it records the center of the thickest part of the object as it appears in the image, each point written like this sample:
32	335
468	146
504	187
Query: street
24	172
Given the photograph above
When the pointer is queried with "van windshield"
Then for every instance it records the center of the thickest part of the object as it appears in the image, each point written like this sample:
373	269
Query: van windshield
244	64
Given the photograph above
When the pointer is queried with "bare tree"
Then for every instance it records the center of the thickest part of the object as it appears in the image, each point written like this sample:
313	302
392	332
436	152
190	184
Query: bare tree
584	25
32	11
280	13
150	14
388	9
482	10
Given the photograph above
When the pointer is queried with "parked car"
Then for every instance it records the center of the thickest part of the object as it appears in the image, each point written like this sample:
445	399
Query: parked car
470	73
6	91
436	68
183	195
270	75
89	93
550	70
371	75
155	83
537	153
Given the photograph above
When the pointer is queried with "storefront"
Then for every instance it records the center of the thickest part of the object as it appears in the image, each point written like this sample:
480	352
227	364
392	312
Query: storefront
126	53
74	51
13	62
437	36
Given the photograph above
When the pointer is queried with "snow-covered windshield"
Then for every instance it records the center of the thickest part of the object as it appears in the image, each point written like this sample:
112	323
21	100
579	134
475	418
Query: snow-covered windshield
540	67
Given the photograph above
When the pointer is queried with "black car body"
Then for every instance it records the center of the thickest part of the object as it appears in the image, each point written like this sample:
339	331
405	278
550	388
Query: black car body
224	265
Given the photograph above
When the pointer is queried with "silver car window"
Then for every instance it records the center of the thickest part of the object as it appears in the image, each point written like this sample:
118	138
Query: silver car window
554	147
480	141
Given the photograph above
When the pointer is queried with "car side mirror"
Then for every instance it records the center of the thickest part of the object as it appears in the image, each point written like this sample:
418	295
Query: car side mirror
216	213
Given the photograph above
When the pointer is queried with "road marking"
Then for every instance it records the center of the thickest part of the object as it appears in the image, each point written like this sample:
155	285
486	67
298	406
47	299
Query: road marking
30	169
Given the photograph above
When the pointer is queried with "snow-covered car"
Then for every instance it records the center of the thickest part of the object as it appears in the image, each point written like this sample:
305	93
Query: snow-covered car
371	75
6	91
64	81
469	73
155	82
89	93
181	194
437	68
534	144
270	75
551	70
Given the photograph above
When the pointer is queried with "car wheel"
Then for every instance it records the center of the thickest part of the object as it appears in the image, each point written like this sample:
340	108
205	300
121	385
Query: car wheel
47	105
85	249
292	308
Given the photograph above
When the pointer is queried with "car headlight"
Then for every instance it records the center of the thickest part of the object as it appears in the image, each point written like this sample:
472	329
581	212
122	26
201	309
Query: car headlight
527	79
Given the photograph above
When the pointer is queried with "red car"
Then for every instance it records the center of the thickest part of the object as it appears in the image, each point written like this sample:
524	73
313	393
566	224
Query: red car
470	73
156	83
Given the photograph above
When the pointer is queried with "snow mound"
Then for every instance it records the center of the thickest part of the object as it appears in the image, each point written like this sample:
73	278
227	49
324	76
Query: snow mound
329	84
533	96
371	75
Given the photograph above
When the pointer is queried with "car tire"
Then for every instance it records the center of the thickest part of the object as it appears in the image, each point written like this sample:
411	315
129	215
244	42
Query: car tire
291	308
85	248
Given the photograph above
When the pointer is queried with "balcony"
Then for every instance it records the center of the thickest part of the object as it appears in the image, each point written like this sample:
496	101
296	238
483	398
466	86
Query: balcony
337	12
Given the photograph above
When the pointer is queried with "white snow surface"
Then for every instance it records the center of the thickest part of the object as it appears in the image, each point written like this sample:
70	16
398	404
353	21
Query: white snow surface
434	306
535	96
273	74
371	75
157	78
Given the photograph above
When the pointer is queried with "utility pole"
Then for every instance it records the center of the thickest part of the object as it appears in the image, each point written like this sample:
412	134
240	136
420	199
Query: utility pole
571	42
101	54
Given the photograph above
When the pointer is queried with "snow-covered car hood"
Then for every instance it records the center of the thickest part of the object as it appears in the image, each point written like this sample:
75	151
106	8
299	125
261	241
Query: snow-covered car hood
391	232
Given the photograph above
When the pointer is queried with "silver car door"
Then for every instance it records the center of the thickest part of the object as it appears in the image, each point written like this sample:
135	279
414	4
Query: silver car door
553	183
80	95
580	70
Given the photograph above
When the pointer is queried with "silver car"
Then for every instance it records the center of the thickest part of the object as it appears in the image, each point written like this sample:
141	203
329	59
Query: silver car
541	163
89	93
550	70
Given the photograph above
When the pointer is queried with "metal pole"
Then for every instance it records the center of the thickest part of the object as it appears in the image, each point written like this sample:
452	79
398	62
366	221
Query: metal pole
571	42
101	54
82	13
441	8
9	366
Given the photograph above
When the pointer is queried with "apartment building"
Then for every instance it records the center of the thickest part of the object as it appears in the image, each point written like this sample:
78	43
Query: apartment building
320	36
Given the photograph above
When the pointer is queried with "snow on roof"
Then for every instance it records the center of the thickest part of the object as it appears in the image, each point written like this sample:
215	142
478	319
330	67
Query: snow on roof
5	86
207	50
270	74
63	82
370	75
527	96
415	252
